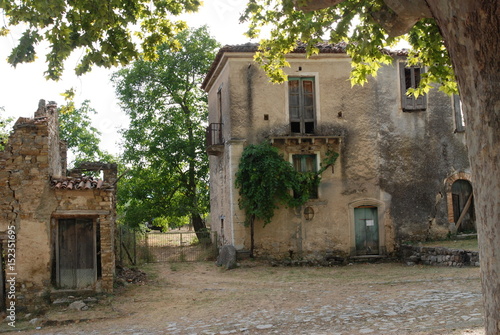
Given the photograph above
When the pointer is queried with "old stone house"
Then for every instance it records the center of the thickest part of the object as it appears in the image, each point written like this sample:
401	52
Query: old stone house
402	173
57	231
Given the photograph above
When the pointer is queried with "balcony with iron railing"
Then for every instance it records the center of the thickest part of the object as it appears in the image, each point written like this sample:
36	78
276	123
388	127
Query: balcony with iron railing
215	141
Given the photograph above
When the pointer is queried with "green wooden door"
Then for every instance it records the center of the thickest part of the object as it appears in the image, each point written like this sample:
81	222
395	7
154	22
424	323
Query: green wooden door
366	230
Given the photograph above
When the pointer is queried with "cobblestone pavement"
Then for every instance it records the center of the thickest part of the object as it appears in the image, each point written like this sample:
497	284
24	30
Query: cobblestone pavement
429	303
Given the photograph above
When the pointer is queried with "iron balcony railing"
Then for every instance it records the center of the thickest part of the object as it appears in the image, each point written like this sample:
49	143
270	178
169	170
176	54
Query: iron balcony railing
214	134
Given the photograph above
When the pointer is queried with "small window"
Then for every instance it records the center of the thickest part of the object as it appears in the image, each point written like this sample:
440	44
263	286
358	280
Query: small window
306	163
458	113
301	102
410	78
219	103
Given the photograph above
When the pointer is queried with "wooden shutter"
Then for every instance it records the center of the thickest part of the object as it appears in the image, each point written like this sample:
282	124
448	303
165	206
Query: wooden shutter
301	103
410	78
459	116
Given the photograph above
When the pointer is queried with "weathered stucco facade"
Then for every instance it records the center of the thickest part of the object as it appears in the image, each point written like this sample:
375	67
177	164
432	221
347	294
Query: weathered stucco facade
58	231
390	181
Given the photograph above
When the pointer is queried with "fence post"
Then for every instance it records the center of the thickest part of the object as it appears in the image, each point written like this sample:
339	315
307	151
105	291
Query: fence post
120	245
147	254
135	247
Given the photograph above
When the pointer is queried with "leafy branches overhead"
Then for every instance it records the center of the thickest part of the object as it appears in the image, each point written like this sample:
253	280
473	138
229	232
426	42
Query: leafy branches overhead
265	181
104	30
350	22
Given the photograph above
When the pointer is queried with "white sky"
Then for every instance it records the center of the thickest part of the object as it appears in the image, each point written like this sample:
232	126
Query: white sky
22	87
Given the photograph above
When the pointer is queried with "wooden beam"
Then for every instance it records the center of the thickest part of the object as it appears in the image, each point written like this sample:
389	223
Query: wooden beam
80	212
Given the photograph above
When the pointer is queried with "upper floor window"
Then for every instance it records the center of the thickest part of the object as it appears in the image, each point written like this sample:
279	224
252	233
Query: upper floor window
459	115
301	104
410	78
219	103
306	163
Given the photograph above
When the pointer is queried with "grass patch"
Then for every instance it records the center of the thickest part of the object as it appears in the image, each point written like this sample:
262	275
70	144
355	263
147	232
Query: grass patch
470	244
467	244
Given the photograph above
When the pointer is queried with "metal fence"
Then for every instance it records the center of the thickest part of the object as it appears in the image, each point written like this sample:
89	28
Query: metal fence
178	246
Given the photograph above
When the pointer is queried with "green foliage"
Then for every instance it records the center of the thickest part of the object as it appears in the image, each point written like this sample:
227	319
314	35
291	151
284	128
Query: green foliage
164	144
349	22
75	128
4	129
166	223
105	31
265	181
160	222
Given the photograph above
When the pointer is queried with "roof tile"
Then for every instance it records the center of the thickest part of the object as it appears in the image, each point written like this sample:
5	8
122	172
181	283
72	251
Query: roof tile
80	183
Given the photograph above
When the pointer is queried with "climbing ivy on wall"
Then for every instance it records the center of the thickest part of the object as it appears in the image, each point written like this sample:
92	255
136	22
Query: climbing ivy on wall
266	180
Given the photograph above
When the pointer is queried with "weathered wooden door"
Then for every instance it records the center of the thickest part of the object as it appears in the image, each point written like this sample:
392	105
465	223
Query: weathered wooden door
366	230
463	206
76	253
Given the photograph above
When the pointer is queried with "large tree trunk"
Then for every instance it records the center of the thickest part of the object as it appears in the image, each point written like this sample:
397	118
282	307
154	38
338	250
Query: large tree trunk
200	228
470	29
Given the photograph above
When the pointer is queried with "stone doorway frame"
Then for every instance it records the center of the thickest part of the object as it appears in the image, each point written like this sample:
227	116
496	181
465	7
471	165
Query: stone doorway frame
381	209
449	196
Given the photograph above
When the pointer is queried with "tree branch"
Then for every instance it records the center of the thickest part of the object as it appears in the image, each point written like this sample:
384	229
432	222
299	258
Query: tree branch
308	6
396	17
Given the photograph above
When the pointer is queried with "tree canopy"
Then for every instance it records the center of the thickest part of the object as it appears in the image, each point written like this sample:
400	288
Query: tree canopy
75	128
350	21
164	144
104	31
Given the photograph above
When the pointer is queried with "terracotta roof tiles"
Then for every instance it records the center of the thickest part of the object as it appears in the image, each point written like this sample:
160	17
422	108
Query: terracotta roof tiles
81	183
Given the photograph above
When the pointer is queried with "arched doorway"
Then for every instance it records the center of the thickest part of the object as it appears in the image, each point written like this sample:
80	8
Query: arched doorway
463	206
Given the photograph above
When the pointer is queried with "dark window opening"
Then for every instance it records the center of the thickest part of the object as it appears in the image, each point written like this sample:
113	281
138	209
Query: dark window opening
295	127
219	103
98	248
309	127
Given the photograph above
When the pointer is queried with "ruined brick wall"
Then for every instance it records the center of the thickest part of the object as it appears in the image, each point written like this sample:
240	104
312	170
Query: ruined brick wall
98	204
26	204
30	205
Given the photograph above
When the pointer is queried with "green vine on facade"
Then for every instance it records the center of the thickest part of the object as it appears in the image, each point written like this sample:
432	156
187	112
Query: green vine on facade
266	180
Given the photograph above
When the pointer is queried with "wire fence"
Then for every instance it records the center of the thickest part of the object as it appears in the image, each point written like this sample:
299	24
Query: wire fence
137	247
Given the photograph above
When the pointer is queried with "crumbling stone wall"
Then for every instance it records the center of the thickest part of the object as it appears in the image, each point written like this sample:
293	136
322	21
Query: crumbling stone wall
412	255
30	205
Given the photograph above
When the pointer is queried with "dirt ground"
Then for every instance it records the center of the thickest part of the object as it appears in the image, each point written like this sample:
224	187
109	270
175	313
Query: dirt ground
199	298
